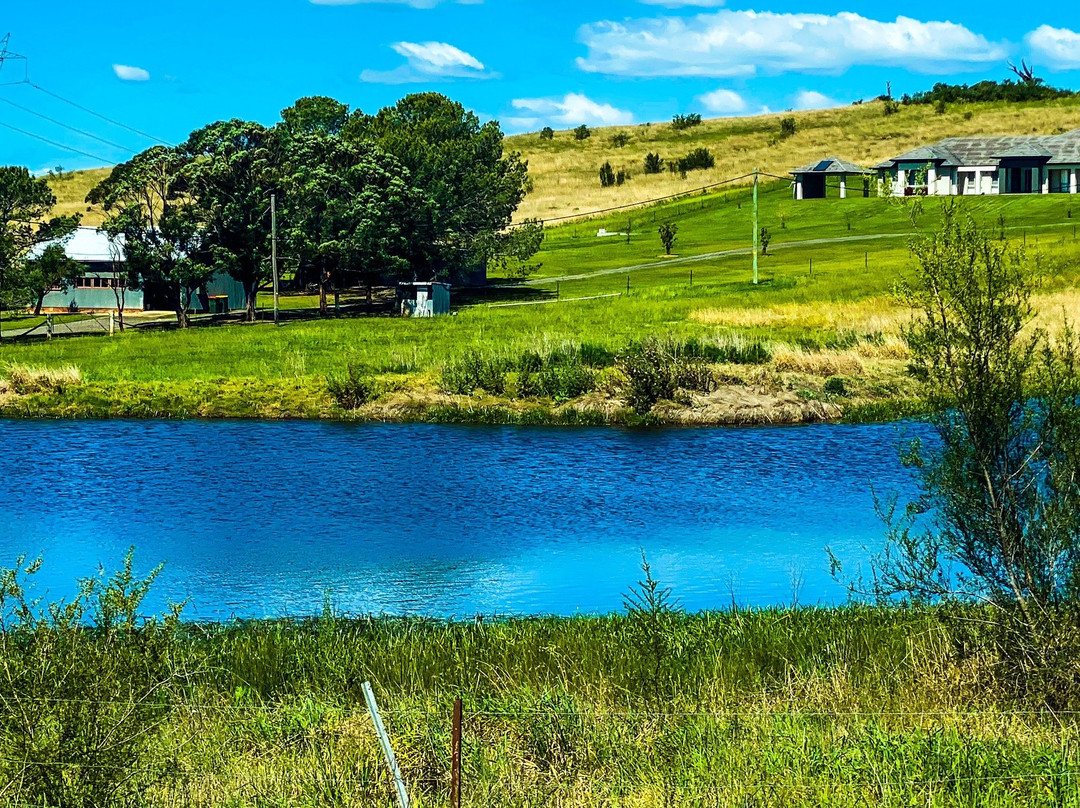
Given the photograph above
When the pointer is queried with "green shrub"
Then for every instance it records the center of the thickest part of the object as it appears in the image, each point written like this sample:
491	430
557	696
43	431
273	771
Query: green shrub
473	372
680	122
835	386
607	175
561	375
730	350
352	390
697	160
655	369
654	163
621	140
583	132
547	133
788	127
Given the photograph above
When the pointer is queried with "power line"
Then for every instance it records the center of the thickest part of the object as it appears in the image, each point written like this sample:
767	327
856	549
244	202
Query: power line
105	160
89	111
82	132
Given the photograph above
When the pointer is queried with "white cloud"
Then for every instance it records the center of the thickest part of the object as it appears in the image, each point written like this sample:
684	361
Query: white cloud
429	60
127	73
681	3
1059	48
740	43
413	3
572	109
812	99
723	101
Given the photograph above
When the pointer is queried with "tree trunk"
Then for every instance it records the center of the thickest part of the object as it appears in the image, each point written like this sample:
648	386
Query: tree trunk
251	295
39	304
324	307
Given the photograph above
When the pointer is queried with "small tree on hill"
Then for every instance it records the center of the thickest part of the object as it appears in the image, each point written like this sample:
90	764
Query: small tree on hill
654	163
788	127
583	132
765	238
668	236
547	133
620	140
680	122
607	175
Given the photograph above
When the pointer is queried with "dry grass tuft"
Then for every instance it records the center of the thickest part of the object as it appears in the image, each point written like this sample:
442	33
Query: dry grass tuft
24	380
817	363
874	315
740	406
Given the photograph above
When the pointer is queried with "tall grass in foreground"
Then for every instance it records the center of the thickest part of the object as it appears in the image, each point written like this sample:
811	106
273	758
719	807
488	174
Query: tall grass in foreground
655	707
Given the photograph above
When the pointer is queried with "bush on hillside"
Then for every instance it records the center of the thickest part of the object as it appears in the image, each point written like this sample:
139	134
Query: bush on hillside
620	140
681	122
697	160
547	133
607	175
654	163
583	132
788	127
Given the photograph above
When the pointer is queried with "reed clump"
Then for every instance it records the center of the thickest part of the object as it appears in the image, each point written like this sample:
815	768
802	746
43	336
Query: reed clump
26	380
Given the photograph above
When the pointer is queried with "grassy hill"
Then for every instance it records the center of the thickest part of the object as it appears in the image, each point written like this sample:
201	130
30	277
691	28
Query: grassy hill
564	171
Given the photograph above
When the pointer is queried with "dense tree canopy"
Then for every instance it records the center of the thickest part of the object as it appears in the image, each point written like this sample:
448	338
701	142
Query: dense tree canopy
149	209
26	203
470	186
232	168
420	190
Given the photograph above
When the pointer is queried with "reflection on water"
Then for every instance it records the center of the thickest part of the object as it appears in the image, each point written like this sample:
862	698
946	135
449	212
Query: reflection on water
261	519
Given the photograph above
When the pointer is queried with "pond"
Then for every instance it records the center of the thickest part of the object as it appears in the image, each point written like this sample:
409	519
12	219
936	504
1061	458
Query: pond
276	519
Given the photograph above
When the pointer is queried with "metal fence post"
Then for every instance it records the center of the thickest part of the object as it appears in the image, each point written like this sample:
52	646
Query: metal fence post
455	757
388	750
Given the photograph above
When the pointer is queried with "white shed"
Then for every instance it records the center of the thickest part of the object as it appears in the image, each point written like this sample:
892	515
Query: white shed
423	299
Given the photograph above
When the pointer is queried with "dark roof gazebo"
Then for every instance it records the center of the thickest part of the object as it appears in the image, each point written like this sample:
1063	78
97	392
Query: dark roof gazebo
811	180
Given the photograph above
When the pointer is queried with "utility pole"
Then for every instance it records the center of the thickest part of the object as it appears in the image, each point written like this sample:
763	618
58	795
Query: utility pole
273	251
757	231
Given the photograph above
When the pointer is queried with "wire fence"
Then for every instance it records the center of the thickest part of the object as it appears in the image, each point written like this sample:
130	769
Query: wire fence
306	753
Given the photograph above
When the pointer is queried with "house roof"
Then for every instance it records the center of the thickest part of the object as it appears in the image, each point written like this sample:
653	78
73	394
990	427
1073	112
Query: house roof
90	246
989	151
831	165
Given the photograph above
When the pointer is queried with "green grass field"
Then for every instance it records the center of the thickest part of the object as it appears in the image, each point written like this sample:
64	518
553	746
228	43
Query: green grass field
823	253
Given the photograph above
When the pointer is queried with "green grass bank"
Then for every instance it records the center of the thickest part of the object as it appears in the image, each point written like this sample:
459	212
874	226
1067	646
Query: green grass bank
806	707
816	339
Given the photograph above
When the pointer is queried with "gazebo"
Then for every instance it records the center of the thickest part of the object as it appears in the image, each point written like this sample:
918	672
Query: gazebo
812	180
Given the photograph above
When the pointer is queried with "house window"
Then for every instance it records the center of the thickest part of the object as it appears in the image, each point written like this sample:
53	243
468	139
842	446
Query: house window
1059	181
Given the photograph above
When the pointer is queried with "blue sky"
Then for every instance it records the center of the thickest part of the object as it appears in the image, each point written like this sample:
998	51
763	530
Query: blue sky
165	68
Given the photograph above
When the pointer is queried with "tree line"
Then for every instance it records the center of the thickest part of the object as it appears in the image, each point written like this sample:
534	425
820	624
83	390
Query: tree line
419	190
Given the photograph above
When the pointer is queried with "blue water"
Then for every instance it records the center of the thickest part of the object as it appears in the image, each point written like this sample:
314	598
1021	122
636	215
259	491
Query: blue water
268	519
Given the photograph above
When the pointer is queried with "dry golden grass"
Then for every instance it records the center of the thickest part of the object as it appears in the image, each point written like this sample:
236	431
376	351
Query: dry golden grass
874	315
787	359
23	380
565	172
71	190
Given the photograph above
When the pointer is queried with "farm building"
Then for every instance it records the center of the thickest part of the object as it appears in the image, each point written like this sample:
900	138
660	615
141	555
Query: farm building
812	181
420	299
104	260
967	166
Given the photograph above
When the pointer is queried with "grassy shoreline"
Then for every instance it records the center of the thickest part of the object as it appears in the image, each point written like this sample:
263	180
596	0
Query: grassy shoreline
778	707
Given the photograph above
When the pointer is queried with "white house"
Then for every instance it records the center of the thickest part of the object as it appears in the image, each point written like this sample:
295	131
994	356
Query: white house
973	166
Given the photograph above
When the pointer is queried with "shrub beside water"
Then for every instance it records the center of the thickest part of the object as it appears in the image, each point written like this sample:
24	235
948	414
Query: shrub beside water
474	371
351	390
655	369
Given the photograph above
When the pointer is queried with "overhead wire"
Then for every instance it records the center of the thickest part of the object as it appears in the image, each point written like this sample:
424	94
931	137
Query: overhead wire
108	120
55	144
63	125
